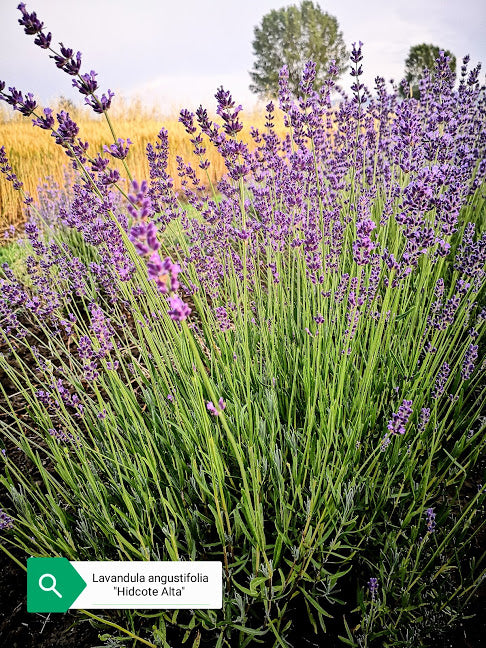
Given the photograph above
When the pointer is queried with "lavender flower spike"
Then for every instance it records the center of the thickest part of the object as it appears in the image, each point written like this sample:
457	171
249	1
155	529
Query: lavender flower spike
6	522
440	381
430	516
88	84
400	419
118	150
67	129
67	62
16	100
179	311
373	587
31	24
7	170
469	361
213	410
46	122
100	104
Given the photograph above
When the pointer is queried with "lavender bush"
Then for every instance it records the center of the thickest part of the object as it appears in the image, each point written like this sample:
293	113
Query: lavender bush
283	372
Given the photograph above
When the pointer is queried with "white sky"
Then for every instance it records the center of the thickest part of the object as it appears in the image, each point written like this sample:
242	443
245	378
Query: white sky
176	54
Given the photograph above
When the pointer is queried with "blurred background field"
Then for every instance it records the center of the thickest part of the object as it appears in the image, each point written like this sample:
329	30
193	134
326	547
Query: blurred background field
36	158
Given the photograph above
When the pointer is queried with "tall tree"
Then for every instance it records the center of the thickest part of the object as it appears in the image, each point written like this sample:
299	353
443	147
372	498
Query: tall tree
420	58
292	36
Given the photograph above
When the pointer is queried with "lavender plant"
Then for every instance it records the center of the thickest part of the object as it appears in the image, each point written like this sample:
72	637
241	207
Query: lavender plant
283	372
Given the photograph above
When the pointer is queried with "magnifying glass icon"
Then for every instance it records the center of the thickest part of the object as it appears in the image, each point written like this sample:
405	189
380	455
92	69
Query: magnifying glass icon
50	588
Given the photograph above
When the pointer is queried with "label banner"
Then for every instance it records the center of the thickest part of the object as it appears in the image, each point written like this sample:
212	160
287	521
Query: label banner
57	585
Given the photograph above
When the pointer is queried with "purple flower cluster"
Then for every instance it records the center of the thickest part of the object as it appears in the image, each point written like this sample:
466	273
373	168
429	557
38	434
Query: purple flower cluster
430	520
469	361
373	587
363	245
143	235
66	60
178	310
164	273
441	381
119	150
97	346
6	522
400	419
213	410
424	418
58	397
24	104
161	192
7	170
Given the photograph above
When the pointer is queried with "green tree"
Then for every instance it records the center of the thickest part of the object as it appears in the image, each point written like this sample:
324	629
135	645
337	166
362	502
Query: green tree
420	58
292	36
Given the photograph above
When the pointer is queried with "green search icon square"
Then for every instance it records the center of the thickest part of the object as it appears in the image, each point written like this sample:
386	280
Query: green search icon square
53	584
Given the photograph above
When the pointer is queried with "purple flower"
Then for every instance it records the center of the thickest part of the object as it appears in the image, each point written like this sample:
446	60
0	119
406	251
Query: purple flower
228	113
66	130
186	118
164	273
363	246
60	435
6	522
424	418
179	311
7	170
67	62
88	84
400	419
16	99
308	78
223	318
43	40
99	164
373	587
100	104
118	150
430	519
29	22
46	122
224	99
212	409
111	177
440	381
469	361
139	202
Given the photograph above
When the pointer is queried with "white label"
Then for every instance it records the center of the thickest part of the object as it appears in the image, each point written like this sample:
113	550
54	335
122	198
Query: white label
150	584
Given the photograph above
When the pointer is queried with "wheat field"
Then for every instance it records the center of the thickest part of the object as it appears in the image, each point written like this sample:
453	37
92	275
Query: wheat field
35	157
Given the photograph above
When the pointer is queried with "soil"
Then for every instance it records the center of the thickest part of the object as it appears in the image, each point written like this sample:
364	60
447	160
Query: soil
21	629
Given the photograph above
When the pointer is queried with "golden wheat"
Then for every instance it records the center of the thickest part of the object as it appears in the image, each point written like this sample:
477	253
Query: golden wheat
35	157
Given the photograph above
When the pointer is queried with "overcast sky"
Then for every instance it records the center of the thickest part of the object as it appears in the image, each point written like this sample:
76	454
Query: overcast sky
177	53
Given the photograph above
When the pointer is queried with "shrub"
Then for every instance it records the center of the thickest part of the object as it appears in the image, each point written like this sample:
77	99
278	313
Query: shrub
286	377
